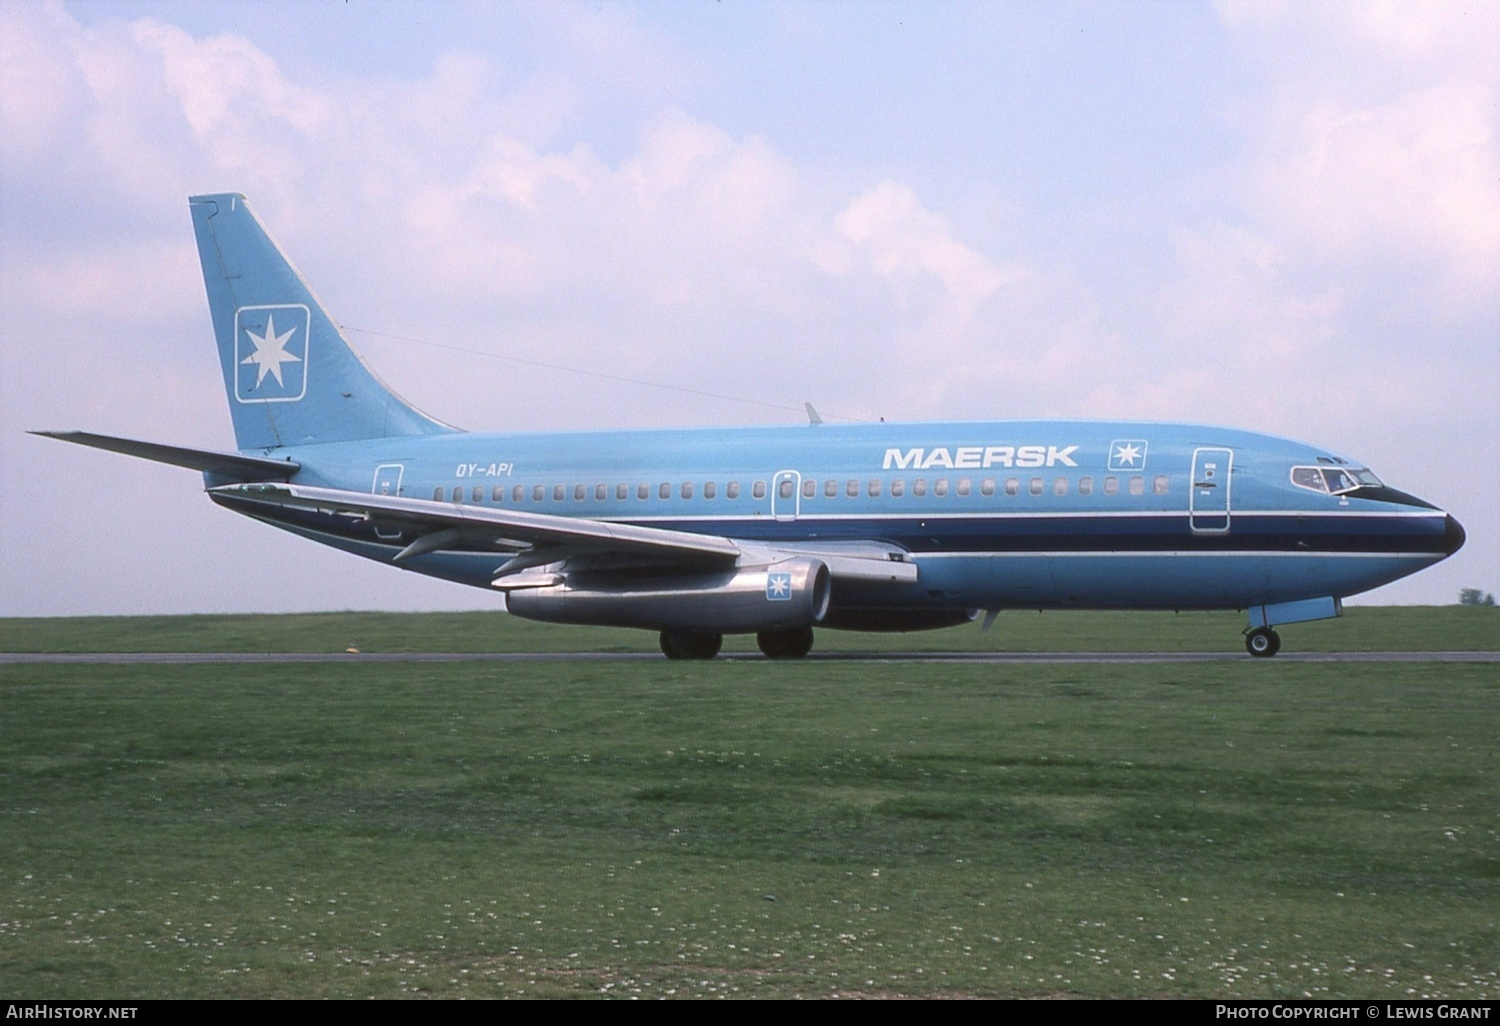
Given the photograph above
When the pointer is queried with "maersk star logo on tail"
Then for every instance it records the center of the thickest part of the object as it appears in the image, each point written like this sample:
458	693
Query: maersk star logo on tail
270	351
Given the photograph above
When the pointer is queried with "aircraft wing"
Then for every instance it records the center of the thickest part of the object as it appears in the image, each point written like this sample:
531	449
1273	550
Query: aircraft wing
536	539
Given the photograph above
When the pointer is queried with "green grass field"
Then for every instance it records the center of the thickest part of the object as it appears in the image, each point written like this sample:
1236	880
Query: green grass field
1243	828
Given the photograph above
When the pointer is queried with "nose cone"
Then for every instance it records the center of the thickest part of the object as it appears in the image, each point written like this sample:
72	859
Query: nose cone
1453	535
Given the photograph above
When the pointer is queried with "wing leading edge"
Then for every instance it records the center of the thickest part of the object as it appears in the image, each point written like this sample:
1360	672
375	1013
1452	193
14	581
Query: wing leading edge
537	539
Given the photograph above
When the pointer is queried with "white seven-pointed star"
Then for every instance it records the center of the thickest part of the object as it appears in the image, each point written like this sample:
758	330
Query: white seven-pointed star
1126	453
270	352
780	585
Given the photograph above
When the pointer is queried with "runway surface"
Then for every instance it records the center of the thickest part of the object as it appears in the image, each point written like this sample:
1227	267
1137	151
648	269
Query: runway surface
997	658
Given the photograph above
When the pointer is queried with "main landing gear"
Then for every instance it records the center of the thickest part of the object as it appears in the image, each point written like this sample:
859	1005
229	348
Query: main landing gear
690	644
1263	642
789	644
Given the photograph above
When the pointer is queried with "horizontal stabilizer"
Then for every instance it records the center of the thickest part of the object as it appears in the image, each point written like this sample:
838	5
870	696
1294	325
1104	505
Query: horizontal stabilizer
245	468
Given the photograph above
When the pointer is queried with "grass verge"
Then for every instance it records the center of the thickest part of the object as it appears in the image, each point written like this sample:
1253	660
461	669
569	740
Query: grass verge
1222	829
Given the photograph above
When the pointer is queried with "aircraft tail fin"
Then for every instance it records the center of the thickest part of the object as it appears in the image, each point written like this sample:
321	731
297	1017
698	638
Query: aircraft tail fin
292	377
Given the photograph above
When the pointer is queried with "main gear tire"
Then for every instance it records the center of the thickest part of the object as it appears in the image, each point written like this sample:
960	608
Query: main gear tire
690	644
789	644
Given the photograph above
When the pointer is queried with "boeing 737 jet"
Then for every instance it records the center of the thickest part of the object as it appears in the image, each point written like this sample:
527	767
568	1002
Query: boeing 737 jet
776	531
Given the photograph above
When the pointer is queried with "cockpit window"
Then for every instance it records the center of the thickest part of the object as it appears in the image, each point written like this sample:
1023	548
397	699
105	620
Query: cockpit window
1334	480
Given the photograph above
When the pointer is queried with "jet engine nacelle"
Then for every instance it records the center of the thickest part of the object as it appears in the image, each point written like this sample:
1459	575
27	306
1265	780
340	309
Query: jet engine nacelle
790	594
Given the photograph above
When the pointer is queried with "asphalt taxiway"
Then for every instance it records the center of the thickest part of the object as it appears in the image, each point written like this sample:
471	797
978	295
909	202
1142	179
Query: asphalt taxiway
996	658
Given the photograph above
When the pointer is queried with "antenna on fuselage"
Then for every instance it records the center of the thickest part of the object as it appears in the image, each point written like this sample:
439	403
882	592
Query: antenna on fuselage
813	416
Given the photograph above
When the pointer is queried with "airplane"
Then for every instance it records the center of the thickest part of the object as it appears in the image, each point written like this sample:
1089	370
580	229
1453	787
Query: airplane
775	531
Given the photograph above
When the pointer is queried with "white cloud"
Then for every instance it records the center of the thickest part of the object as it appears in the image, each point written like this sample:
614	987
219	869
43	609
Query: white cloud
1411	182
910	246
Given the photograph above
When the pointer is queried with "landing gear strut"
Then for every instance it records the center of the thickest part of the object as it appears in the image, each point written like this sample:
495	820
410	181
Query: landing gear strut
690	644
789	644
1262	642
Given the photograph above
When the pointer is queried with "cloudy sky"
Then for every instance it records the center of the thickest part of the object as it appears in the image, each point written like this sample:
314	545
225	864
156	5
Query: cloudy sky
1277	216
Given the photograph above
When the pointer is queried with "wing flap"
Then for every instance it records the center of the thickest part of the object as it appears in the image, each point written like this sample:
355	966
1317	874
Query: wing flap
868	561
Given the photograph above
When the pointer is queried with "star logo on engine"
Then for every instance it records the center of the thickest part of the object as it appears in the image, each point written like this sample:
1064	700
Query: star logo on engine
779	587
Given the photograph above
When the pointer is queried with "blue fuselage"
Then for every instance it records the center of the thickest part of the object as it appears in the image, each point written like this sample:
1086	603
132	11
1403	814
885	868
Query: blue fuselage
1031	514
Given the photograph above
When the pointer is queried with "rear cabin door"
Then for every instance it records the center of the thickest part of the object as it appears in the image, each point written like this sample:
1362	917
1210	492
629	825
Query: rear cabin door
388	482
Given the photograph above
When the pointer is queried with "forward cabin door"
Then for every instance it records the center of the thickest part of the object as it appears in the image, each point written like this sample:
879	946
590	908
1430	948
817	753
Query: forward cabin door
1208	499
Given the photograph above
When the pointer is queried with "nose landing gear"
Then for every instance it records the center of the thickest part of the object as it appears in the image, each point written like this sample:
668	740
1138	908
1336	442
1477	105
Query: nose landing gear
1263	642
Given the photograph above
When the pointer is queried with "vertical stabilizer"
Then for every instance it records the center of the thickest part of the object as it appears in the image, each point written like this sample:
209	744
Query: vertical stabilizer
291	376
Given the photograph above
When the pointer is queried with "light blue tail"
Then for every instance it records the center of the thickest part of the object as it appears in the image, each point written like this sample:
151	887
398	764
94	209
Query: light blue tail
292	377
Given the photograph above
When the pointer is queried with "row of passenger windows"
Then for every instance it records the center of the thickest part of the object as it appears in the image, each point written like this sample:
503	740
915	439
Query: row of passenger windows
831	489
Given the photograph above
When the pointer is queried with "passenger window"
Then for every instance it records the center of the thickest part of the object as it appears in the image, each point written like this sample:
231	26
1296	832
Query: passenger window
830	488
1085	486
665	491
710	489
1111	485
622	492
1036	486
874	489
963	486
478	494
1159	484
437	494
1137	484
1060	486
518	493
758	490
458	493
898	487
940	487
579	491
600	492
537	493
987	486
497	494
852	489
919	487
732	490
1012	486
786	488
809	488
643	491
687	489
558	491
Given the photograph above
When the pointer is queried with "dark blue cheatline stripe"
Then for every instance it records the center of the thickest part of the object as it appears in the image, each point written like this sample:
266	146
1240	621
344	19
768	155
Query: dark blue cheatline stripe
1413	535
1258	532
